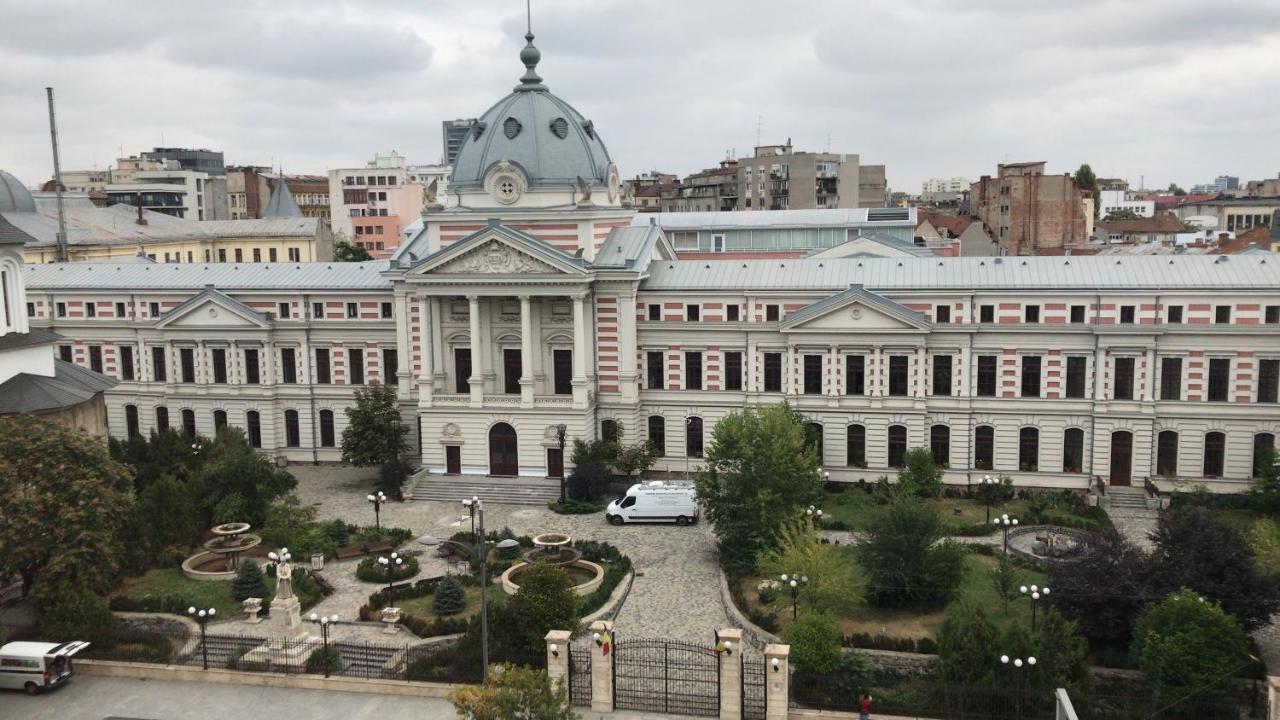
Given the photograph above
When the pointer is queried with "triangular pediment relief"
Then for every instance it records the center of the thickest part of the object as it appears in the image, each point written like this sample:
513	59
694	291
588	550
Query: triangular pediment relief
212	309
854	309
495	257
499	250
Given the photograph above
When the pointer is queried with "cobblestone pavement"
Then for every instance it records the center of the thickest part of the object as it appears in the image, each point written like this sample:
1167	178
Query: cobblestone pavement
677	588
1135	525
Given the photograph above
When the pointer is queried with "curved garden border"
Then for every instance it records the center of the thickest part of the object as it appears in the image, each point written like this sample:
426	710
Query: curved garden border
1038	561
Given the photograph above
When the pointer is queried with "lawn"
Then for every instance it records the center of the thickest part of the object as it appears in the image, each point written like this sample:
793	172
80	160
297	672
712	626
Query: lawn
171	583
422	606
915	623
853	508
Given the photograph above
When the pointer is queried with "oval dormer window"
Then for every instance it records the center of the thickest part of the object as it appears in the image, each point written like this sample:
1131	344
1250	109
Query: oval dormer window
560	127
511	128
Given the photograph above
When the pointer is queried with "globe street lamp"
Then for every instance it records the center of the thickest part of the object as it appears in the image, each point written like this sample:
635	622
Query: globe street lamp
202	618
481	552
814	512
1030	662
389	564
324	621
988	492
561	433
793	582
1036	594
376	501
1004	522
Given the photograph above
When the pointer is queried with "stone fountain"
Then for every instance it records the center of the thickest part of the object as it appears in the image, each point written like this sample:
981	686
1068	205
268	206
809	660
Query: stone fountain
221	555
556	549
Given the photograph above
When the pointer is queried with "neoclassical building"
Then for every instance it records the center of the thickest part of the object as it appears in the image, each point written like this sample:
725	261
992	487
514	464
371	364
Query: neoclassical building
530	302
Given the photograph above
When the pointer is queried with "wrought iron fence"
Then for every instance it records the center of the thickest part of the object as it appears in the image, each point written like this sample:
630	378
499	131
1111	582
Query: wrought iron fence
754	677
666	676
580	674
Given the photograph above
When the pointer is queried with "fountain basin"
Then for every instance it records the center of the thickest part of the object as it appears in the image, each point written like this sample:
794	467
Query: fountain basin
586	575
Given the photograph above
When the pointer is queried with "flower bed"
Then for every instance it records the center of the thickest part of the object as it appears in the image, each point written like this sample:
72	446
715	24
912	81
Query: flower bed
371	571
421	626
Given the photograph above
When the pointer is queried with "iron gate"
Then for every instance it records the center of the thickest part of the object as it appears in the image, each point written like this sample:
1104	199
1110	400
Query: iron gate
754	677
667	676
580	675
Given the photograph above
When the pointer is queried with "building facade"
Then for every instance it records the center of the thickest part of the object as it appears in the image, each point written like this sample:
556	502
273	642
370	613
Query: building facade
452	133
776	177
371	206
1027	211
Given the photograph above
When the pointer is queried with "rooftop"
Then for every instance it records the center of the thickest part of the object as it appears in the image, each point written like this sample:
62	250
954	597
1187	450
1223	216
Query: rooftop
832	218
195	276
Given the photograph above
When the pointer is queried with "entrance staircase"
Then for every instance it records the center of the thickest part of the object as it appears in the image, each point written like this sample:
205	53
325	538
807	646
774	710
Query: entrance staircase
1127	499
493	490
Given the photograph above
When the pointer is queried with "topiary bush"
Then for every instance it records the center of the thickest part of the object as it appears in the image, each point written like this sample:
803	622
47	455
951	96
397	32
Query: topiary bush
370	570
249	582
815	643
450	599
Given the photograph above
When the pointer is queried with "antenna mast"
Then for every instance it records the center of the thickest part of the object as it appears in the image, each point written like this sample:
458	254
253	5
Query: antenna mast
57	181
759	123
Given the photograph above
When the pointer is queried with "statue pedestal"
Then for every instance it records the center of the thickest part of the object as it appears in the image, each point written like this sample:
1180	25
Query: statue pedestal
286	618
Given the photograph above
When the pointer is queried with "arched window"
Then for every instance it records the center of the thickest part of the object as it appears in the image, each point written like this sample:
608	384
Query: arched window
162	418
326	428
984	447
1029	449
189	422
693	437
1167	454
1073	450
253	424
658	434
813	437
609	431
131	421
897	445
856	446
1215	451
940	445
292	434
219	420
1264	448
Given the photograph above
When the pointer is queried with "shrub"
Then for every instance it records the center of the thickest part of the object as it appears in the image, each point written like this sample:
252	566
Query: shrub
1185	641
815	643
968	646
576	507
80	615
325	659
905	557
920	476
449	599
1039	503
514	692
339	533
544	602
135	646
249	582
370	570
996	493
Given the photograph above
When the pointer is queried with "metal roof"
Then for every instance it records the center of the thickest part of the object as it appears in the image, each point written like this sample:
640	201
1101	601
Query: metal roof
70	385
770	219
88	224
281	204
195	276
859	294
992	273
11	235
265	227
625	245
14	196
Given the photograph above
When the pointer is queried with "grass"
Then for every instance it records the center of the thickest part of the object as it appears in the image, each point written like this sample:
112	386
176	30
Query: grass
859	617
200	593
422	606
853	508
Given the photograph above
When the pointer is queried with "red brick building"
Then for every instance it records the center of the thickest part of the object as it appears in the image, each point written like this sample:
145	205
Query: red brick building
1025	210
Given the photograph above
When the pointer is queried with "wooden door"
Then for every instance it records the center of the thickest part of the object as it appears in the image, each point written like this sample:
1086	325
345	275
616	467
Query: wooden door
503	459
453	460
555	462
1121	457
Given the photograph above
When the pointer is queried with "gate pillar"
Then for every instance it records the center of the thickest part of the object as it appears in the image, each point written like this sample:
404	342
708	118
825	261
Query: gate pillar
558	657
731	674
602	651
777	682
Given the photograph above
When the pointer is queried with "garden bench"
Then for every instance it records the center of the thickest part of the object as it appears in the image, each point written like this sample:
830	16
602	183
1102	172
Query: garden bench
347	553
380	547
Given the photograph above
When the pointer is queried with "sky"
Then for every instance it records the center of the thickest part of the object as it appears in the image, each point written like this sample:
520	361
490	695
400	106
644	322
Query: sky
1162	90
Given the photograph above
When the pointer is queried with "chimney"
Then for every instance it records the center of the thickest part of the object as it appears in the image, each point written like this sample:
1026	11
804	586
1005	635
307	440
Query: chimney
138	203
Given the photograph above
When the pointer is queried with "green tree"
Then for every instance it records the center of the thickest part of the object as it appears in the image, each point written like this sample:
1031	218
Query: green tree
801	551
1185	642
339	534
166	453
759	474
591	460
513	691
1061	652
1005	580
345	251
544	602
79	614
237	482
374	432
969	647
815	643
63	505
1087	181
920	475
450	599
633	459
1122	214
906	557
1175	190
249	582
169	513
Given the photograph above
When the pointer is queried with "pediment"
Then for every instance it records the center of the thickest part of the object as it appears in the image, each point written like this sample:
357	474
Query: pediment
854	309
499	250
213	309
495	257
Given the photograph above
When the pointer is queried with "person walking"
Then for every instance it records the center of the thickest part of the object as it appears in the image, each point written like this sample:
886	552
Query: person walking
864	707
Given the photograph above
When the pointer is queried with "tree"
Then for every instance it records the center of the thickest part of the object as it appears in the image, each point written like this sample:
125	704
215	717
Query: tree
968	646
513	691
1175	190
1061	652
63	505
164	453
450	599
1006	579
906	557
760	472
920	475
1110	562
339	533
1122	214
1195	549
169	513
1085	178
374	432
815	643
345	251
801	551
1186	642
591	460
637	458
544	602
79	614
249	582
238	483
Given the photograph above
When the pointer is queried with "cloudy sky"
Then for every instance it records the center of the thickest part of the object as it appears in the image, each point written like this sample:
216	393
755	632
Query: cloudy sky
1173	90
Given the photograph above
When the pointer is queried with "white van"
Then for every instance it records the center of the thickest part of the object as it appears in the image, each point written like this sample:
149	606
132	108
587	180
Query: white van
37	666
654	502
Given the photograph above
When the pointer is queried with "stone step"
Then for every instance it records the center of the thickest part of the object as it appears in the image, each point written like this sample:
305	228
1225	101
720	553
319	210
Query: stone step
361	660
513	492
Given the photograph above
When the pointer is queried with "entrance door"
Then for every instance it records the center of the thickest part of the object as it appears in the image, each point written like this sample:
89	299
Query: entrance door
555	462
1121	457
502	450
453	459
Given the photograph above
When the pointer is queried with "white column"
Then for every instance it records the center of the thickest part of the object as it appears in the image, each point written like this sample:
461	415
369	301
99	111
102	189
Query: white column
477	363
580	350
873	372
922	369
627	342
433	344
526	352
1099	374
1149	391
749	368
833	373
425	349
403	347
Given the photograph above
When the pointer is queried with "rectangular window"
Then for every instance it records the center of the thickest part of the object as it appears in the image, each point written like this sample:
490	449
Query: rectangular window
1122	382
773	372
462	370
288	366
987	313
658	434
187	363
323	371
64	352
292	434
942	314
61	309
855	375
95	358
1174	315
153	309
562	362
984	447
987	375
222	255
812	374
326	429
126	362
1031	314
219	361
282	310
120	313
158	371
1222	314
317	311
386	310
1077	314
390	365
693	371
257	255
1219	370
1076	376
1268	374
1031	376
771	313
941	374
856	446
271	255
655	312
655	368
692	313
91	309
731	313
355	366
252	372
511	369
239	255
1171	378
1126	314
1272	315
899	379
733	371
353	311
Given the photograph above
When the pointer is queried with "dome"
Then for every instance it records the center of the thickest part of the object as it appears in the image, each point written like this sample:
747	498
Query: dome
535	131
14	196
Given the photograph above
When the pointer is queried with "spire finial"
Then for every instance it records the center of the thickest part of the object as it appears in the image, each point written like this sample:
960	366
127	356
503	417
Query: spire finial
528	16
529	55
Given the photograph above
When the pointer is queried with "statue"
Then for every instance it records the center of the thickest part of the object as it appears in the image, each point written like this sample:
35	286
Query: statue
429	192
584	191
628	195
284	580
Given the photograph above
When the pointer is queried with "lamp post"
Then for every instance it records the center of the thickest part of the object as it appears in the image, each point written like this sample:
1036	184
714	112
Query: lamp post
481	553
376	500
1019	663
814	513
988	492
389	564
561	432
1004	522
1036	594
794	582
324	621
687	422
202	618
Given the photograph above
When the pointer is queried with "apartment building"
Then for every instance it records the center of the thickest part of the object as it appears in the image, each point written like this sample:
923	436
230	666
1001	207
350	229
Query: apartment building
372	205
1027	211
777	177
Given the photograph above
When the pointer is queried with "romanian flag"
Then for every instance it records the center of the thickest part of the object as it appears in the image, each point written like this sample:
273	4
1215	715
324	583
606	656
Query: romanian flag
606	643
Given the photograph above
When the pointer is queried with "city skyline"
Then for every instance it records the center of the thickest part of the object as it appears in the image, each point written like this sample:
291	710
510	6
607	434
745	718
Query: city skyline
1139	90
